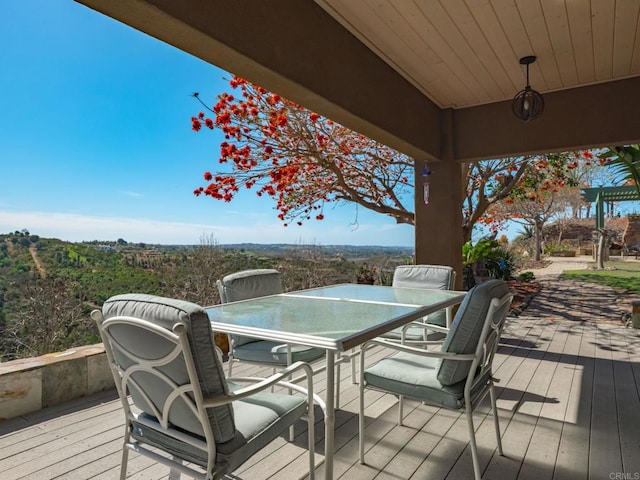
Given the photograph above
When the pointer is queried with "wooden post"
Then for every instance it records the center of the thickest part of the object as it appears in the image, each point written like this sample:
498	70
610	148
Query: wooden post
635	314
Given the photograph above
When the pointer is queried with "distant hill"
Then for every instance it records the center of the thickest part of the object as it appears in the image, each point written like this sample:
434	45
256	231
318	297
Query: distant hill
48	286
581	232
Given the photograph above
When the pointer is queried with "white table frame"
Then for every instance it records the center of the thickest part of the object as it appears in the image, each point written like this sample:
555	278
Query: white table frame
333	345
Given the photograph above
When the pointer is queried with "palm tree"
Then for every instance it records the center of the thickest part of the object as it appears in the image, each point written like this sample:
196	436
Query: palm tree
625	164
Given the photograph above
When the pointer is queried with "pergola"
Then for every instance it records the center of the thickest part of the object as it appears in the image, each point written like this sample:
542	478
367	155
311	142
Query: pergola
600	195
431	78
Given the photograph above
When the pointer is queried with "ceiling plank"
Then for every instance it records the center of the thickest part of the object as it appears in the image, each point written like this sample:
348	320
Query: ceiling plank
557	22
538	33
456	36
432	36
511	22
602	23
488	22
476	39
626	21
468	50
579	15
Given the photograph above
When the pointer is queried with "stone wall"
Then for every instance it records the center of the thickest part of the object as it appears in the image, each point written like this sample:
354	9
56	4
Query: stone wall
631	234
30	384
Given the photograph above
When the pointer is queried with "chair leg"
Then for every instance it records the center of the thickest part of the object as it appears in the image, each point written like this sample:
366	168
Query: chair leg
123	465
496	422
125	451
400	409
311	438
353	366
174	473
473	445
361	420
230	362
338	363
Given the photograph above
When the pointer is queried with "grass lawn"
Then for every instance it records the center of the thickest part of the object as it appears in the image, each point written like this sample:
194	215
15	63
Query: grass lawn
620	275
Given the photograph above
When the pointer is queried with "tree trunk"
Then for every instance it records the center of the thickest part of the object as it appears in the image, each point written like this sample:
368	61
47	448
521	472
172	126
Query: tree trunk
466	234
538	240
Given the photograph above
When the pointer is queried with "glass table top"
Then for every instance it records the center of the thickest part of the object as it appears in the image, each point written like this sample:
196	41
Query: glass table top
337	317
379	293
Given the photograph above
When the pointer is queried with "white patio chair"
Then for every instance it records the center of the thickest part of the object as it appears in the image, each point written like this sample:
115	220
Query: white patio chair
434	325
259	283
458	376
162	354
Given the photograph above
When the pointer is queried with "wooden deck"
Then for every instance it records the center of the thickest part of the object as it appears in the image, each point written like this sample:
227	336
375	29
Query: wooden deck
569	409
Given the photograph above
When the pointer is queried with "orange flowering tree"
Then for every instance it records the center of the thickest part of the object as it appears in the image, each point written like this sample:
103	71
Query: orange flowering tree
538	195
300	159
304	162
488	182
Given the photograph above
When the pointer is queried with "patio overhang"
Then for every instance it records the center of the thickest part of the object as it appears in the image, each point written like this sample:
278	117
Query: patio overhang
432	79
300	50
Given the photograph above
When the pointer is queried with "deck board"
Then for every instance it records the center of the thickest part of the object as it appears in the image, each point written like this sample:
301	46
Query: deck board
569	408
604	445
627	403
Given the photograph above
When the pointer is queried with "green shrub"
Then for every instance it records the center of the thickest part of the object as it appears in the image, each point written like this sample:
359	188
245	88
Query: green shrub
526	277
498	260
558	247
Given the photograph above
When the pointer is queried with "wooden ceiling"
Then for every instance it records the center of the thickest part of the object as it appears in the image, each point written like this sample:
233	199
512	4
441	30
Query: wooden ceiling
463	53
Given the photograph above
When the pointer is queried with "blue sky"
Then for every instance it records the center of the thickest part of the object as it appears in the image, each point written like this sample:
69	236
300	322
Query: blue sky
96	140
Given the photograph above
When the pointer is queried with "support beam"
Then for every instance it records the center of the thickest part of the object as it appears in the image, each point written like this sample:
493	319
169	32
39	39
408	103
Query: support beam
439	224
296	49
594	116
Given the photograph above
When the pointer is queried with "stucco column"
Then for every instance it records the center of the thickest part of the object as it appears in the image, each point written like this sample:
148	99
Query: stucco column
439	224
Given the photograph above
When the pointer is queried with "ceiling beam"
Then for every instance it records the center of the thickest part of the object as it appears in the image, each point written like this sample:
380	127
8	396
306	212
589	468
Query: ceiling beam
296	49
605	114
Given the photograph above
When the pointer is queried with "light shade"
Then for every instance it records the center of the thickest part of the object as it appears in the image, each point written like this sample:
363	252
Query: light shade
528	104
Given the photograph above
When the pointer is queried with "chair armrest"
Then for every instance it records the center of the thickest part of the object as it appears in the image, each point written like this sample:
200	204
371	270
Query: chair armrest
426	326
419	351
408	349
260	384
436	328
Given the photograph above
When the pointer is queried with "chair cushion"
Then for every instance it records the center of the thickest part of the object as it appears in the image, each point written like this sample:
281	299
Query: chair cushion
423	276
275	353
166	312
260	419
254	414
249	284
438	277
414	376
464	334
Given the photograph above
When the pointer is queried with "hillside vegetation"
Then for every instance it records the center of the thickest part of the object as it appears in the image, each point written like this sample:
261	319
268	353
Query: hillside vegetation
48	287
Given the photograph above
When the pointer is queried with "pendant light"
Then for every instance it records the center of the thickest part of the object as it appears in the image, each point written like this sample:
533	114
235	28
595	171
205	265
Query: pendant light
527	104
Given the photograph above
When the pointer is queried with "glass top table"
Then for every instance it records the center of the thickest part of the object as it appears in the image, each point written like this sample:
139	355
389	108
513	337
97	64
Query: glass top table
334	318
